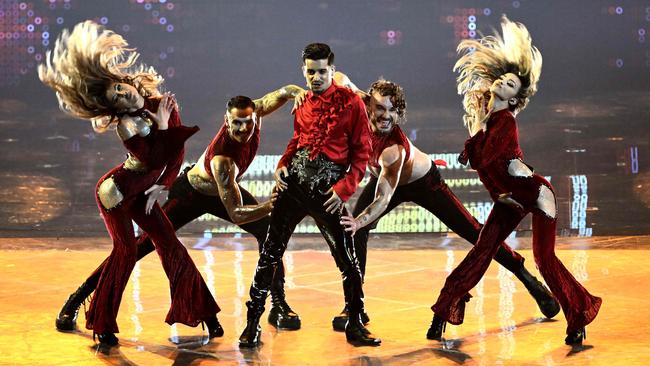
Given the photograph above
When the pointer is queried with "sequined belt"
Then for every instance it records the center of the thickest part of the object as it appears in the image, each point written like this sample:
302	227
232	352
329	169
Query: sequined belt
132	163
317	172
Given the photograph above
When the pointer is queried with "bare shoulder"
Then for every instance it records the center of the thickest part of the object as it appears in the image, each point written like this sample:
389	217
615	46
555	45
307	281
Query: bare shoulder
392	154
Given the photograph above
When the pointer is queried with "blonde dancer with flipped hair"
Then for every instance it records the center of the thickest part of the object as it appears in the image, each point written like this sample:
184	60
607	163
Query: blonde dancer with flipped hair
95	76
498	75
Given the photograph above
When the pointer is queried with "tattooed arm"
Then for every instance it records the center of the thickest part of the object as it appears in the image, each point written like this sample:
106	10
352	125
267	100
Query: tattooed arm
276	99
225	172
391	162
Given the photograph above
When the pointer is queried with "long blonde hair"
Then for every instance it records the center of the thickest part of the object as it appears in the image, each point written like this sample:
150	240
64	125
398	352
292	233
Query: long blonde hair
486	59
83	65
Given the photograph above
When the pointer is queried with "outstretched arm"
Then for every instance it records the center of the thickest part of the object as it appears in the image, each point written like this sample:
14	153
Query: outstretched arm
276	99
391	161
225	171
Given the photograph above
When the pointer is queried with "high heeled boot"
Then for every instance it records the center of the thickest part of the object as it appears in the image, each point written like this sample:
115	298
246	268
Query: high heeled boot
437	328
575	338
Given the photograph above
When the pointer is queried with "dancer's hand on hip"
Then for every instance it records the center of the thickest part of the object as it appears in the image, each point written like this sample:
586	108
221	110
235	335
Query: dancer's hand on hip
334	203
350	224
281	172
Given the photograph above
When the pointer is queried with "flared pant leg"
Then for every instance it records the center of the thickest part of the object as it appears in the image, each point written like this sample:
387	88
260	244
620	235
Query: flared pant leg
579	306
191	300
451	302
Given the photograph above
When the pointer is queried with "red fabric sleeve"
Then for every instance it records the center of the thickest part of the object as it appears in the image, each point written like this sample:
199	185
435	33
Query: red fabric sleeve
174	142
162	148
502	140
292	147
359	140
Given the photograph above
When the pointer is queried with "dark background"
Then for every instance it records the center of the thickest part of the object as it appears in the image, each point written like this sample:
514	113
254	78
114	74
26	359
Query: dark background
588	120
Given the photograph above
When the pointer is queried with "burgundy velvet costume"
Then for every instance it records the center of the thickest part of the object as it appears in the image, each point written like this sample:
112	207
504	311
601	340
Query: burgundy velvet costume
161	151
490	153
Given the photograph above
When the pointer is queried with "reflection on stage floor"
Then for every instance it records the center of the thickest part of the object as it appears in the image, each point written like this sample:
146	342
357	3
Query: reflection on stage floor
502	324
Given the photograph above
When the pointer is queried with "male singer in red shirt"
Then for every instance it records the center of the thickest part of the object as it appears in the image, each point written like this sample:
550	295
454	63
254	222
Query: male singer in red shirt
324	162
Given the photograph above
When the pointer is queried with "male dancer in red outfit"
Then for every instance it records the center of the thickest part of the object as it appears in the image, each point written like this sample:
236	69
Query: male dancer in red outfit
510	67
400	172
321	168
210	186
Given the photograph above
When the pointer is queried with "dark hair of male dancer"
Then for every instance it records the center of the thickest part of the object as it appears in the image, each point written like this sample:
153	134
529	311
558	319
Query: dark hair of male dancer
324	162
210	186
400	172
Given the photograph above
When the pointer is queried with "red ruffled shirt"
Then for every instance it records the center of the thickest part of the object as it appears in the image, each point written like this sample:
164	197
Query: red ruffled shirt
335	124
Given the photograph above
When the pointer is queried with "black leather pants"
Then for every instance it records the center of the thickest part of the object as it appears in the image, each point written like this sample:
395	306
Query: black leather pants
432	193
303	198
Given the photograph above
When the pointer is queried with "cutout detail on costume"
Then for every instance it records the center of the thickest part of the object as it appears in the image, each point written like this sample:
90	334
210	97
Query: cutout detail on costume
109	194
546	201
517	168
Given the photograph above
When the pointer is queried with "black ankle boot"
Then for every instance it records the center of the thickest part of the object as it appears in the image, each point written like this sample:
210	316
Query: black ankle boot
358	335
546	302
281	315
67	318
339	321
251	335
575	338
437	328
107	339
214	327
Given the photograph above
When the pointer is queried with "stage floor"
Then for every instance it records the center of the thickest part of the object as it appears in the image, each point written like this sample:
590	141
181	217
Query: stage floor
502	323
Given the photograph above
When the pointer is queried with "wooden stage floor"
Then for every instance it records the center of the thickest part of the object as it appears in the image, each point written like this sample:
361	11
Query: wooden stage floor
502	327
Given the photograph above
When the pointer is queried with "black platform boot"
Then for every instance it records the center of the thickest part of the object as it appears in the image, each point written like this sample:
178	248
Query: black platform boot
67	318
575	338
437	328
339	321
281	315
251	335
357	334
548	305
214	327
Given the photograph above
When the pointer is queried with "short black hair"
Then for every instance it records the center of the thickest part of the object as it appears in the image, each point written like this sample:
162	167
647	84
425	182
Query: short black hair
318	51
240	102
